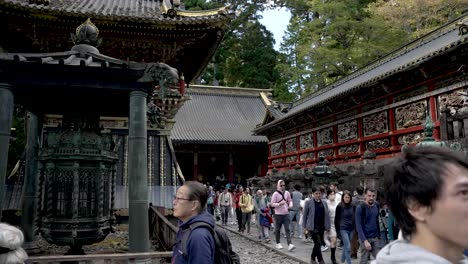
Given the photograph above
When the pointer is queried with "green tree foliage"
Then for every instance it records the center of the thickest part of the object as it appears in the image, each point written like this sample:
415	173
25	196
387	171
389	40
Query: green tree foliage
418	17
331	39
251	57
246	58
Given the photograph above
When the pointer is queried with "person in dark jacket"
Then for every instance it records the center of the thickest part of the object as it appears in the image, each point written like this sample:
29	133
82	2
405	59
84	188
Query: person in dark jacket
315	222
345	225
367	225
190	207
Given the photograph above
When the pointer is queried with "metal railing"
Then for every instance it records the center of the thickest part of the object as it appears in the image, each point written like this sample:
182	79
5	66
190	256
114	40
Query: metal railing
146	257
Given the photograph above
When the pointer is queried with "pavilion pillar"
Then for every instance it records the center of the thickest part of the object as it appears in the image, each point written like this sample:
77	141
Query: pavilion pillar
138	174
195	165
30	186
6	116
231	168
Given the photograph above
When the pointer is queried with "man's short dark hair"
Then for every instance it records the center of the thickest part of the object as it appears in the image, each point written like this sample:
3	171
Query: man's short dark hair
360	190
370	190
417	176
297	187
197	193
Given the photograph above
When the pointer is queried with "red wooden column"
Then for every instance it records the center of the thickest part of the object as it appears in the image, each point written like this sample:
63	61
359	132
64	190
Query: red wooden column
195	166
392	125
298	147
433	110
335	137
314	134
360	124
231	168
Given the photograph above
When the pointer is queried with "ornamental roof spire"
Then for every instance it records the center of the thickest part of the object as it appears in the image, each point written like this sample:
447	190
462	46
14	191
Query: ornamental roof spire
87	33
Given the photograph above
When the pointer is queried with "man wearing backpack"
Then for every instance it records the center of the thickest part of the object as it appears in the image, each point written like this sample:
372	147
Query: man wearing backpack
197	240
189	206
281	201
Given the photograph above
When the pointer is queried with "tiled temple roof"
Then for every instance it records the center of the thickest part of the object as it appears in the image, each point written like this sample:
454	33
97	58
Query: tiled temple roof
218	115
127	10
434	44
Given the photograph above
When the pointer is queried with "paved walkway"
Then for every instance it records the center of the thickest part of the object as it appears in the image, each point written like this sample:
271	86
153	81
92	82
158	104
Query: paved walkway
301	253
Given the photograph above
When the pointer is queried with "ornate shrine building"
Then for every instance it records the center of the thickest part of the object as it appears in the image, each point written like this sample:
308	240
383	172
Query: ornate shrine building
136	30
212	135
132	30
364	119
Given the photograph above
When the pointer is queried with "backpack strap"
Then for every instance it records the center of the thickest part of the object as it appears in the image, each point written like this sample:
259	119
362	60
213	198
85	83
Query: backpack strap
282	195
188	231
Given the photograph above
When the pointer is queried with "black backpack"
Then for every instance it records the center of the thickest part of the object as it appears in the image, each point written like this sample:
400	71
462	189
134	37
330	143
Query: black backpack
223	248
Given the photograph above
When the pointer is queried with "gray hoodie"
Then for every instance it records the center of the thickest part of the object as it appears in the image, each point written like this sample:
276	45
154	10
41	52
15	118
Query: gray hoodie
401	251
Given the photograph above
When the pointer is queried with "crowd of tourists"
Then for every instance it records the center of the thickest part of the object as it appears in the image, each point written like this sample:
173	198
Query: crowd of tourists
420	215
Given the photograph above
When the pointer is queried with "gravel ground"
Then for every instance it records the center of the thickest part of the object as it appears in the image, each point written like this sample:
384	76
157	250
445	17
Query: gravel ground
252	253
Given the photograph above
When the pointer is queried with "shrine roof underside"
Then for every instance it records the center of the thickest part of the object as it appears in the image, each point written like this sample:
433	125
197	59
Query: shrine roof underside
406	58
219	115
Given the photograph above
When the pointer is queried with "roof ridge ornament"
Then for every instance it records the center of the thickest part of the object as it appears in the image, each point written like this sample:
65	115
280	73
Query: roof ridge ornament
463	27
86	33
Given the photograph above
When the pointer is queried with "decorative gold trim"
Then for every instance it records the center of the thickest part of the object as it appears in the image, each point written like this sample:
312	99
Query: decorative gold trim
212	12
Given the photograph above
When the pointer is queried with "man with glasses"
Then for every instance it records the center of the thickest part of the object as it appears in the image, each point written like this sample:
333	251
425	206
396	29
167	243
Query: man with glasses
190	207
281	201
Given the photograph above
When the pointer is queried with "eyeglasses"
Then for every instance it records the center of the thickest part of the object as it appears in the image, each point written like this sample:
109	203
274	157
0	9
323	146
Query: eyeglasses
180	198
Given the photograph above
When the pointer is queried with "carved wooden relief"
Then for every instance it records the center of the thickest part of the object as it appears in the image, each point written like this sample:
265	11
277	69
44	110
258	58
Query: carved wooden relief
410	115
347	131
454	103
348	149
444	82
307	156
277	161
306	141
412	93
326	153
347	114
377	144
325	136
375	124
410	138
373	106
290	145
276	149
291	158
324	121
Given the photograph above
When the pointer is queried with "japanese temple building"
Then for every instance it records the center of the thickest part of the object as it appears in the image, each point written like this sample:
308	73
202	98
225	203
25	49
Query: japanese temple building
377	109
212	135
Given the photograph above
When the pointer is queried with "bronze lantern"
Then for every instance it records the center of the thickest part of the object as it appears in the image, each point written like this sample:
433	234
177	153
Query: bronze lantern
76	184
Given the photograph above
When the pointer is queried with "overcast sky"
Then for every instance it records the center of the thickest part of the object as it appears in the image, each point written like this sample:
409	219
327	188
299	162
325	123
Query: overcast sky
276	21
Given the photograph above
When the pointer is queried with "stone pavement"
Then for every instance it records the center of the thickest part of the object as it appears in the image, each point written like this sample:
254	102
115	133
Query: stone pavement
301	253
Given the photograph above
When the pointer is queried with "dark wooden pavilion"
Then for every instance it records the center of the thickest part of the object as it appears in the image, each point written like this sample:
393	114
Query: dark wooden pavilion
59	88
